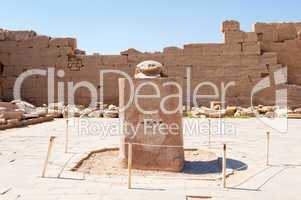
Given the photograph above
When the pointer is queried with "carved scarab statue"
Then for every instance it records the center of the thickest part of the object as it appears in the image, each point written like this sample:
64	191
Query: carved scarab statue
149	69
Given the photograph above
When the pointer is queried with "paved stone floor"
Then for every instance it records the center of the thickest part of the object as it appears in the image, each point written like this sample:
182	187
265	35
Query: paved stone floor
23	151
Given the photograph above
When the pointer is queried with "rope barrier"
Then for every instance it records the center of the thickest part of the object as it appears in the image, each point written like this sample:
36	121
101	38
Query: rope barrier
168	146
209	145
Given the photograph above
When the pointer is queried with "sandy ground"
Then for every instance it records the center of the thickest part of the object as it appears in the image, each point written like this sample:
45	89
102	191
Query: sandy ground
198	163
23	151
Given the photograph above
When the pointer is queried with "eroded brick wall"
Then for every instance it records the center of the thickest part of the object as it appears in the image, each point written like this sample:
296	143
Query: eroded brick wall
244	57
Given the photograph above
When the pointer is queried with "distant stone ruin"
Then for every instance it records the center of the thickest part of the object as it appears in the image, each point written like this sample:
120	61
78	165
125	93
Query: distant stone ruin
244	58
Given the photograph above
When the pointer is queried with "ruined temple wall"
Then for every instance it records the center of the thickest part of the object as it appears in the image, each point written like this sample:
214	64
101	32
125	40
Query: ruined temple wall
24	50
285	39
244	57
238	59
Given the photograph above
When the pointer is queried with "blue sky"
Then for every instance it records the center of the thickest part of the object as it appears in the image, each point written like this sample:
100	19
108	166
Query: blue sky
110	26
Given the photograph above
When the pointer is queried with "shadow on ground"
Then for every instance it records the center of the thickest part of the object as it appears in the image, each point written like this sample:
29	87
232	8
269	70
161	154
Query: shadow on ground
214	166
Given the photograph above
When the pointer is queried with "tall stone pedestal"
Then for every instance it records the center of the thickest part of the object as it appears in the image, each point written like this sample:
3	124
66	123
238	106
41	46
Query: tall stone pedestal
156	133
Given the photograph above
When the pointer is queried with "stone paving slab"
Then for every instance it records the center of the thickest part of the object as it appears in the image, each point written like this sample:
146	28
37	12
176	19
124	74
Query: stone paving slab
23	151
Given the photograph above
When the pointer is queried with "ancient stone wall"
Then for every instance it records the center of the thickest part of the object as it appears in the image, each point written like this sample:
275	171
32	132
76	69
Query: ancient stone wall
244	57
285	40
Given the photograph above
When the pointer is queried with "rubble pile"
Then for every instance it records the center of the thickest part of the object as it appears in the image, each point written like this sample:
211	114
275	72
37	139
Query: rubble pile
58	110
111	112
20	113
240	112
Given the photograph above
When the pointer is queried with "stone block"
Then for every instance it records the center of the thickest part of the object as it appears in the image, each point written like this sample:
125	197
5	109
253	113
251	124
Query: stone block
212	49
8	46
286	31
92	60
112	60
11	115
40	41
250	37
56	52
234	36
130	51
264	27
176	70
72	42
251	48
230	60
250	60
2	35
8	105
157	137
4	58
230	25
269	58
275	67
297	26
276	32
63	42
205	61
58	42
277	47
135	59
33	60
292	46
202	49
37	42
172	51
193	49
231	49
269	36
8	71
19	35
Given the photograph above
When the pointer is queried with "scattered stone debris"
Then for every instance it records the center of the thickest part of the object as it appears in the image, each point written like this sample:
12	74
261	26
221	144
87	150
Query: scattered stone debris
14	112
71	111
96	114
56	109
245	112
215	105
19	113
215	111
85	112
297	111
111	112
231	110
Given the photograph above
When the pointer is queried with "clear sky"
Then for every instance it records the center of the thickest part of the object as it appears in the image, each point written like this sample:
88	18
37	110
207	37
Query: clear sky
110	26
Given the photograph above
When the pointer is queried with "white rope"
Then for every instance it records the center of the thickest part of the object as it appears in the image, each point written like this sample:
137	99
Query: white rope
168	146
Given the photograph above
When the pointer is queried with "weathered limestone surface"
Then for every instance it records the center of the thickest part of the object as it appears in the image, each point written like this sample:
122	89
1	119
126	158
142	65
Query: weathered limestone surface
157	137
244	57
